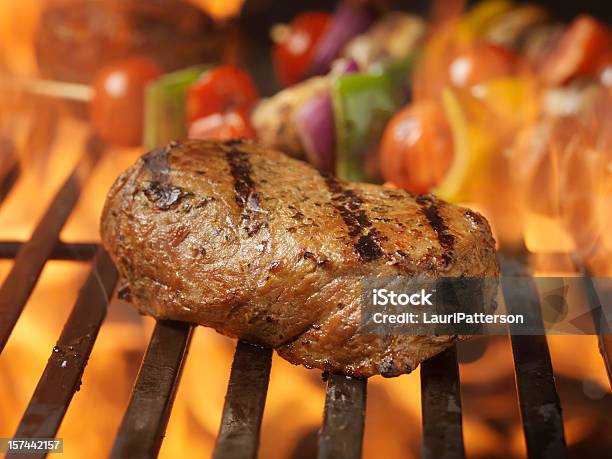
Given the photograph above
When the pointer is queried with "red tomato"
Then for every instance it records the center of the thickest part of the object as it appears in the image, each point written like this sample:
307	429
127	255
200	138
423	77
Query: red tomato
604	71
117	109
480	63
417	147
580	51
220	90
219	126
293	51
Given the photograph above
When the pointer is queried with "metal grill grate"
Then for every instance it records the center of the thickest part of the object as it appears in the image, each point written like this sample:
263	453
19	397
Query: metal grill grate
142	430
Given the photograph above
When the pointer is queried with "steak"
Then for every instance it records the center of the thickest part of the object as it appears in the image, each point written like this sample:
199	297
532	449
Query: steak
263	247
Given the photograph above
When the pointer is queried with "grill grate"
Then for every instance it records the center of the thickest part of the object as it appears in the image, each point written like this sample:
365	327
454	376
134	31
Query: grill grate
76	251
244	403
343	418
142	429
144	423
441	406
32	255
62	375
538	398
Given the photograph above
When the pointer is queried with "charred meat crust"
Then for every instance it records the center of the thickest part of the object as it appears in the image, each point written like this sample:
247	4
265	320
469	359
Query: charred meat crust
260	246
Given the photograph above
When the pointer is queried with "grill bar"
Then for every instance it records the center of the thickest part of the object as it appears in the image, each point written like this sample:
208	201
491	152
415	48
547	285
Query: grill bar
538	398
341	435
144	423
73	251
605	348
62	375
244	403
441	407
33	255
9	168
601	324
539	401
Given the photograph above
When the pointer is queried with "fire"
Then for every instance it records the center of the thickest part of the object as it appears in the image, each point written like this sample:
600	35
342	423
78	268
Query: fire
18	23
295	400
220	9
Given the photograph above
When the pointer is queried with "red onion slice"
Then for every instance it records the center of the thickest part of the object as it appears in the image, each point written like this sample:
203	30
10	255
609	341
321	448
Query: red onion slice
348	20
344	66
314	123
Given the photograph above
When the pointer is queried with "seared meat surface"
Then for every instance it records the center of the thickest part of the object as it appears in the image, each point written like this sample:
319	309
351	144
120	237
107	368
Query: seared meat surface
260	246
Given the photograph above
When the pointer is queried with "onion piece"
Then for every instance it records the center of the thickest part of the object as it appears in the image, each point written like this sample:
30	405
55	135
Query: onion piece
314	124
344	66
348	21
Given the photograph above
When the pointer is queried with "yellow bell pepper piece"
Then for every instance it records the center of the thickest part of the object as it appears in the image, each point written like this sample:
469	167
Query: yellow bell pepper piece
475	22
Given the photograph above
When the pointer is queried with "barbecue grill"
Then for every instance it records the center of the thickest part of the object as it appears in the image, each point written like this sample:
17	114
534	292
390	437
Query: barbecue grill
142	430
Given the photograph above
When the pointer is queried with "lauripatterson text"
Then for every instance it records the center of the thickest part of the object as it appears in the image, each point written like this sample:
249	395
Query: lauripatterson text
454	318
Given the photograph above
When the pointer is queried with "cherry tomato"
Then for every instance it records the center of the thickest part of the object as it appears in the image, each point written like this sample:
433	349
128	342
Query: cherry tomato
604	71
117	108
579	52
220	90
229	125
480	63
295	46
416	149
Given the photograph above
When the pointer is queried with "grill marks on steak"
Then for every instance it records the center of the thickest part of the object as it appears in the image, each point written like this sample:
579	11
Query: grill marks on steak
348	203
244	189
262	247
445	237
161	193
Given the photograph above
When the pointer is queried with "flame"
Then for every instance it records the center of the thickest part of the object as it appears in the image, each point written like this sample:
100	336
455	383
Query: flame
543	156
566	178
18	24
295	400
220	9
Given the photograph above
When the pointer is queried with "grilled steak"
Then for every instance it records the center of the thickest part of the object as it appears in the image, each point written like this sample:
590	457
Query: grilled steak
262	247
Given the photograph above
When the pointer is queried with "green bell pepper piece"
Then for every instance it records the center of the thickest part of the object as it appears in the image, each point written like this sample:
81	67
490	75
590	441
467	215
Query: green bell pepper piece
164	118
362	105
400	72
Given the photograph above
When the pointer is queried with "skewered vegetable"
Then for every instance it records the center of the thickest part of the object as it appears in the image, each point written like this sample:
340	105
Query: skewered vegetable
581	51
362	105
219	90
165	106
475	23
222	126
482	62
295	44
117	109
511	28
348	21
314	124
391	38
273	118
417	147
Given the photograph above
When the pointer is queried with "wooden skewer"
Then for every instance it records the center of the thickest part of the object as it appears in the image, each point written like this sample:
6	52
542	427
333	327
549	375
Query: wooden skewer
49	88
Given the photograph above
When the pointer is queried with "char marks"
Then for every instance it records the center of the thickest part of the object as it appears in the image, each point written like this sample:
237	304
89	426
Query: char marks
445	237
159	191
348	204
240	168
244	190
165	196
157	161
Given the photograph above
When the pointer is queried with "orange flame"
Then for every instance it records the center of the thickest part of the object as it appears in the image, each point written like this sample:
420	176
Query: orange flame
295	401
